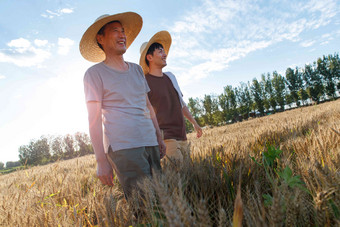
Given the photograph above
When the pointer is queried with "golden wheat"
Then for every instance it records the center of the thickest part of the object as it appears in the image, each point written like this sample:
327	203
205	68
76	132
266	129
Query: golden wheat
203	191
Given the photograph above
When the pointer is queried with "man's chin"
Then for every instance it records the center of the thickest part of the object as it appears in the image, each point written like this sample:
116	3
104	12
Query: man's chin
121	51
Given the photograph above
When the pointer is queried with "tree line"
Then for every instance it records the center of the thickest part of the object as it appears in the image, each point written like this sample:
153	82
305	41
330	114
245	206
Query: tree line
48	149
314	83
9	164
273	93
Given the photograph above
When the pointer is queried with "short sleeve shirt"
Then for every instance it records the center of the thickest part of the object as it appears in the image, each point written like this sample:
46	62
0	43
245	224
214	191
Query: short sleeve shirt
165	101
126	118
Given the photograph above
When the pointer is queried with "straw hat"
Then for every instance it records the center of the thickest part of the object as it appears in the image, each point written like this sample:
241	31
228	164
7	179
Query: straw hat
162	37
89	49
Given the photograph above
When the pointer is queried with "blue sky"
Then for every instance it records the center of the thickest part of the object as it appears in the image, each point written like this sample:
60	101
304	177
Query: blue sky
215	43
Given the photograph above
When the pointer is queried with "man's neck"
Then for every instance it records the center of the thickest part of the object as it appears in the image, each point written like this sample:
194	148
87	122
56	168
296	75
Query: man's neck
156	72
116	62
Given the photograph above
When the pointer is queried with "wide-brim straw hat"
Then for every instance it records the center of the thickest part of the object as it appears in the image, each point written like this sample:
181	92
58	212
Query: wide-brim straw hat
88	46
162	37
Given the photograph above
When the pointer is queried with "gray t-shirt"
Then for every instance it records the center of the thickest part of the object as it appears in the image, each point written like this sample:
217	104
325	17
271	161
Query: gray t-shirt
126	118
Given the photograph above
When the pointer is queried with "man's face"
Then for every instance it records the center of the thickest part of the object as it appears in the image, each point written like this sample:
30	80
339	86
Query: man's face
158	58
113	39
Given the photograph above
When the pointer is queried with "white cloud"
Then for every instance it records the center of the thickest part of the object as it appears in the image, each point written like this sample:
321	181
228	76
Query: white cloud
23	54
237	28
307	43
323	11
47	16
325	36
2	77
216	60
40	43
50	14
66	10
19	43
64	45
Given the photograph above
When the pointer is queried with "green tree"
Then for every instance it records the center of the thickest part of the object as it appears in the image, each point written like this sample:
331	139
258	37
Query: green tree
210	106
334	67
265	95
289	99
257	93
231	99
188	126
2	165
42	148
224	105
195	110
247	95
323	70
34	156
83	143
314	85
216	114
24	155
269	89
279	87
328	67
11	164
303	95
69	146
295	83
35	153
244	99
57	148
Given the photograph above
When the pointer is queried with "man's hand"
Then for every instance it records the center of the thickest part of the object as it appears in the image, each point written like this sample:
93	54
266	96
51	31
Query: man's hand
198	130
105	172
187	114
104	169
162	148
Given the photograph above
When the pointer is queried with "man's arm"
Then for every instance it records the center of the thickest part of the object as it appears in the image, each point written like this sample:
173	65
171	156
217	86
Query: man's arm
162	147
104	169
188	115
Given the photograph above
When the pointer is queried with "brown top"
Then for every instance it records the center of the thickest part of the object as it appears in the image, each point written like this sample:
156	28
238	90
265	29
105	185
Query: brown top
168	109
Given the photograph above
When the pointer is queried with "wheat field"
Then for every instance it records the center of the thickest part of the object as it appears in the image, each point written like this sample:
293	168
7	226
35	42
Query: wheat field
278	170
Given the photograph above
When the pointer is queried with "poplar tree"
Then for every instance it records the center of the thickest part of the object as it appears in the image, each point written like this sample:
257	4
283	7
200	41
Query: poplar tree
313	80
294	83
68	144
269	90
279	87
258	96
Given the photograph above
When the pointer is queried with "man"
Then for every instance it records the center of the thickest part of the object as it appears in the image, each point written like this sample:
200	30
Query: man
123	128
166	96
